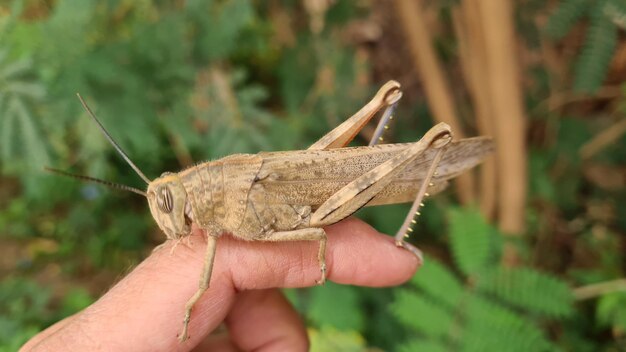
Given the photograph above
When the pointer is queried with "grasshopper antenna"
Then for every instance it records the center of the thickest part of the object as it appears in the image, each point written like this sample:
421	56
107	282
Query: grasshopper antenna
117	147
96	180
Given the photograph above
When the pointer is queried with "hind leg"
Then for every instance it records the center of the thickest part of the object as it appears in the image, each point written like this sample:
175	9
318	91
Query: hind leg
388	96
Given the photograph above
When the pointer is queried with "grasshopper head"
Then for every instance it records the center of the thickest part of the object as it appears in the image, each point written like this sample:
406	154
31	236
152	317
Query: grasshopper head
166	195
169	206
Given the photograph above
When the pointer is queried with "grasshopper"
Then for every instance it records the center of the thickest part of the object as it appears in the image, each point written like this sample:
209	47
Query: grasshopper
292	195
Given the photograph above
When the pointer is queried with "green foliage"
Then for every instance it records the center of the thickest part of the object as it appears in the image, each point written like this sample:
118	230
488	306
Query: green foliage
489	308
219	37
23	306
330	339
565	16
611	311
597	52
422	345
528	289
408	306
337	306
604	18
20	136
25	310
616	11
435	278
491	327
470	239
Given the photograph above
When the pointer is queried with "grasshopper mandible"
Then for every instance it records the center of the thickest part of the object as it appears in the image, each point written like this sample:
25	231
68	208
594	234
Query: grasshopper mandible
292	195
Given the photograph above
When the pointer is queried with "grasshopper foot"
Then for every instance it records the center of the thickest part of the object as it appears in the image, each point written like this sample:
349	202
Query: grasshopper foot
183	336
322	280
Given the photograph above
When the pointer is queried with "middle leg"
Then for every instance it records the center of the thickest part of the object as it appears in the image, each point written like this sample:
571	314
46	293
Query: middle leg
307	234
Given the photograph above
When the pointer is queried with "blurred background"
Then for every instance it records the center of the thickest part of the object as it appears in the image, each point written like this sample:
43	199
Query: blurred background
525	253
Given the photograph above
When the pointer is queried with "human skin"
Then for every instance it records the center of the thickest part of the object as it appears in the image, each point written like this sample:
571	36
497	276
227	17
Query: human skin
144	311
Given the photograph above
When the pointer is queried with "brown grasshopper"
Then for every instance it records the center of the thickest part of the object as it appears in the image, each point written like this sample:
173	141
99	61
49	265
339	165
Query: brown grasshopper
291	196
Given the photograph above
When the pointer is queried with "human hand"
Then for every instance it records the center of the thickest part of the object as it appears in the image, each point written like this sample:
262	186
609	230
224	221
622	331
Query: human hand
144	311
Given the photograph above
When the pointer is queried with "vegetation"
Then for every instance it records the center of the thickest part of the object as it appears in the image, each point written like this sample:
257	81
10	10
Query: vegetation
182	81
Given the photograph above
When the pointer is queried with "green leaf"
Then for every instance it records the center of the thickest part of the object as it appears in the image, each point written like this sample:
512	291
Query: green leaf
568	12
337	306
611	310
529	289
22	143
471	242
220	32
593	62
71	21
421	314
491	327
439	283
34	142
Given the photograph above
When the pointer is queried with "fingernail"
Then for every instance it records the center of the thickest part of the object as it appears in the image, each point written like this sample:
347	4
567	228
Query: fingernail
411	248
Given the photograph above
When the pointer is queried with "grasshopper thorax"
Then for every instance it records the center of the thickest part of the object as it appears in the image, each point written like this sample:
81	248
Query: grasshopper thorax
169	205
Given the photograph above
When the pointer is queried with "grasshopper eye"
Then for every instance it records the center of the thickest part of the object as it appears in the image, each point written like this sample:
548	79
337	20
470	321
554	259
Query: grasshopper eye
164	200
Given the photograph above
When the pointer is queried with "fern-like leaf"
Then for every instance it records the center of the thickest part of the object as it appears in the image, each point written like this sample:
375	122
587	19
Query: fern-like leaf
471	240
530	290
421	314
568	12
492	327
37	152
439	283
593	62
21	136
337	306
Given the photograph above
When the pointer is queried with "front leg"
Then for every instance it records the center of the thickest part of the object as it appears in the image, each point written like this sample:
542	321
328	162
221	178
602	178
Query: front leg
203	286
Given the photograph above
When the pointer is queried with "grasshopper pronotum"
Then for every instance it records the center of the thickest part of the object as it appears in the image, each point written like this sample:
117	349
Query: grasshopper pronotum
292	195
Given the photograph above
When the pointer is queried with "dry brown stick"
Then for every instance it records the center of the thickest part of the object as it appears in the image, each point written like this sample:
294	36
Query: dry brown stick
599	289
505	95
437	91
603	139
472	57
558	100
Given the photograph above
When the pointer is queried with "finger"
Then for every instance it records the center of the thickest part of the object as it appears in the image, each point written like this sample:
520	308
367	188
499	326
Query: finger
144	311
263	320
219	341
355	254
260	320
